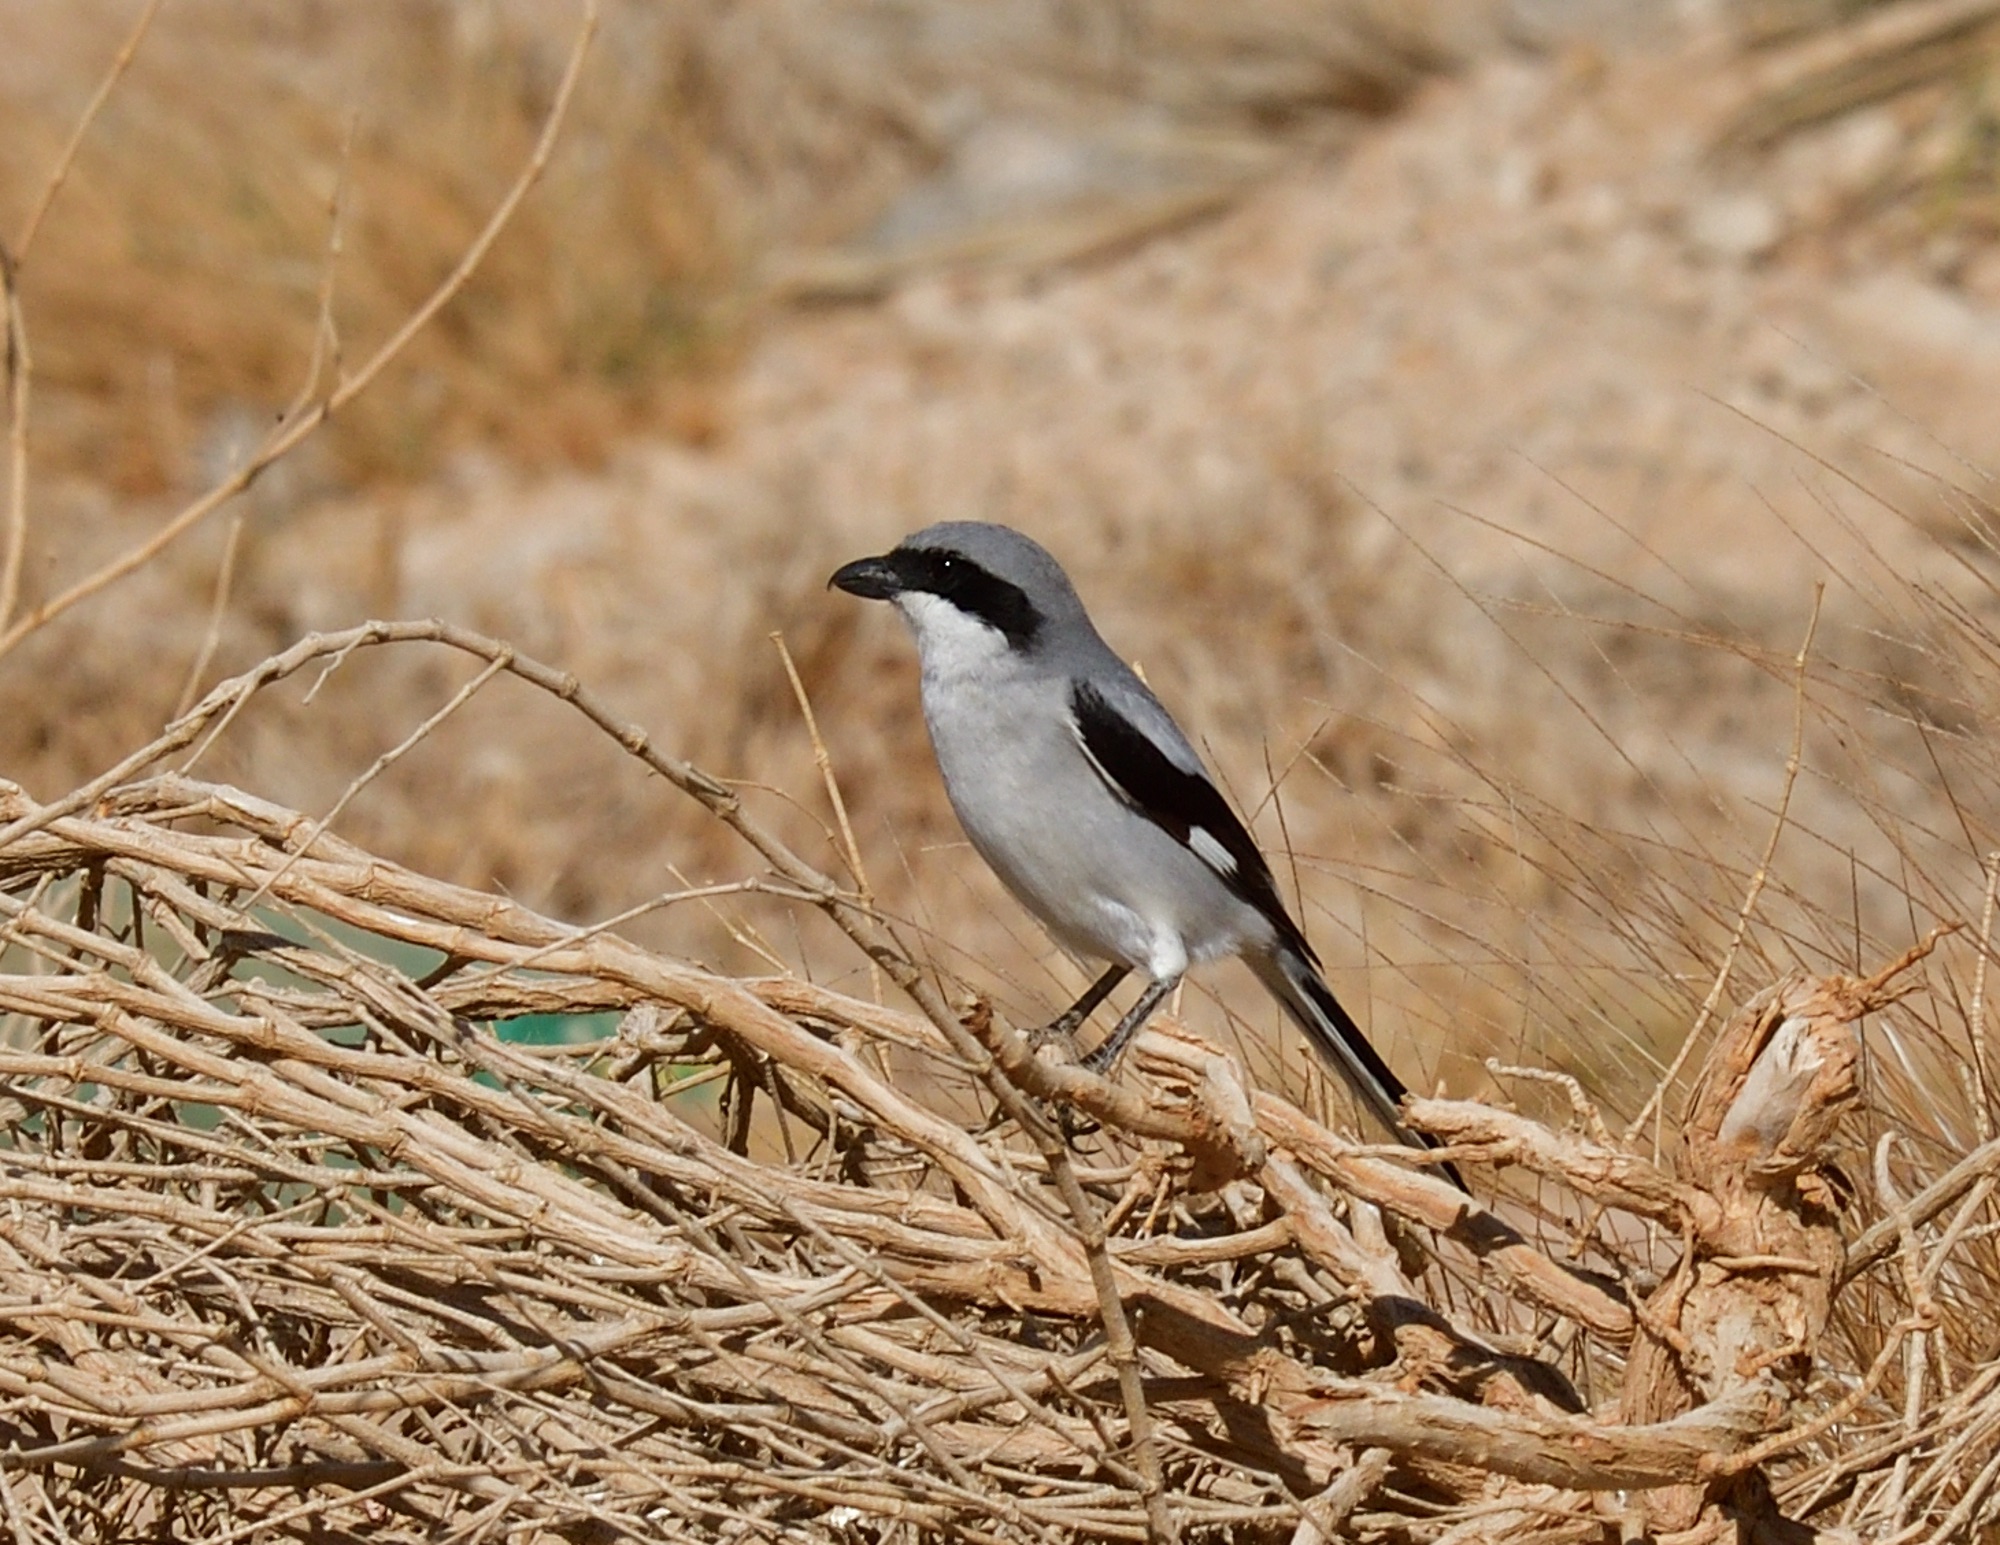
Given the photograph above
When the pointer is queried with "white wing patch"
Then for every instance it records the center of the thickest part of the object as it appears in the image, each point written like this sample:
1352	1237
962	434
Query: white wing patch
1212	853
1090	756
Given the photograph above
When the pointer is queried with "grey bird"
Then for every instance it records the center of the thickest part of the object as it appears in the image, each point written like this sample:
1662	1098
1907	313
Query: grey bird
1077	787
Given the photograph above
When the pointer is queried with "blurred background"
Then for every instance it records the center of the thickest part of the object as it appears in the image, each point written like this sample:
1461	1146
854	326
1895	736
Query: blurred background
1463	412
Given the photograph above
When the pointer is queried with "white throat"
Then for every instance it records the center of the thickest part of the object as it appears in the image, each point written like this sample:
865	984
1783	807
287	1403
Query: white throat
954	645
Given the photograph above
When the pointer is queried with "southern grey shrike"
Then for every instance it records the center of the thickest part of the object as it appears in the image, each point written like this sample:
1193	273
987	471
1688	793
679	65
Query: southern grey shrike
1081	792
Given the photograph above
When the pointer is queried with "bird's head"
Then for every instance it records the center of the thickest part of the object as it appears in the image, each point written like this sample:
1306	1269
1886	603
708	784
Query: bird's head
964	579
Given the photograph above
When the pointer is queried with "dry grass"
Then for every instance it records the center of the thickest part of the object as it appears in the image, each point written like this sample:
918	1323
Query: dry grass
172	295
172	291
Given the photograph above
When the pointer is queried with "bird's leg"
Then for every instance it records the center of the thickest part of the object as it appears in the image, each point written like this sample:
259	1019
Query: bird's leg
1106	1055
1066	1025
1072	1018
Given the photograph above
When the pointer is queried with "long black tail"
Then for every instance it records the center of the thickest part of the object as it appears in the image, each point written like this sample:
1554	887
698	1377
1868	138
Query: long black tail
1296	984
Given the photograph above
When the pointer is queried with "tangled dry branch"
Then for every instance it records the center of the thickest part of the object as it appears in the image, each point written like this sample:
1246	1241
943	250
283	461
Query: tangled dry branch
297	1241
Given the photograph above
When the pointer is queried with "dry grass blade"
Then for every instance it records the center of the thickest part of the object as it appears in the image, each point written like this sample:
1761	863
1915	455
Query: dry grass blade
1883	50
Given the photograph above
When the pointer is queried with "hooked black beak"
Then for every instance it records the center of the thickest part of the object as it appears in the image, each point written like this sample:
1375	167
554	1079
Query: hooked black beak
873	579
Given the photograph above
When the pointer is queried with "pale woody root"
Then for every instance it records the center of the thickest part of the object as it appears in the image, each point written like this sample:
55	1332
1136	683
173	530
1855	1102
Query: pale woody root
293	1240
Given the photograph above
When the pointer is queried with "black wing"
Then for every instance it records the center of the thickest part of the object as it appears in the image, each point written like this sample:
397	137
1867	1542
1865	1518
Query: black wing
1181	801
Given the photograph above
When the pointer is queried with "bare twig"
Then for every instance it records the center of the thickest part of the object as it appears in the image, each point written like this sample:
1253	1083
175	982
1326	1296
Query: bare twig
20	365
1982	1053
291	432
382	764
823	760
